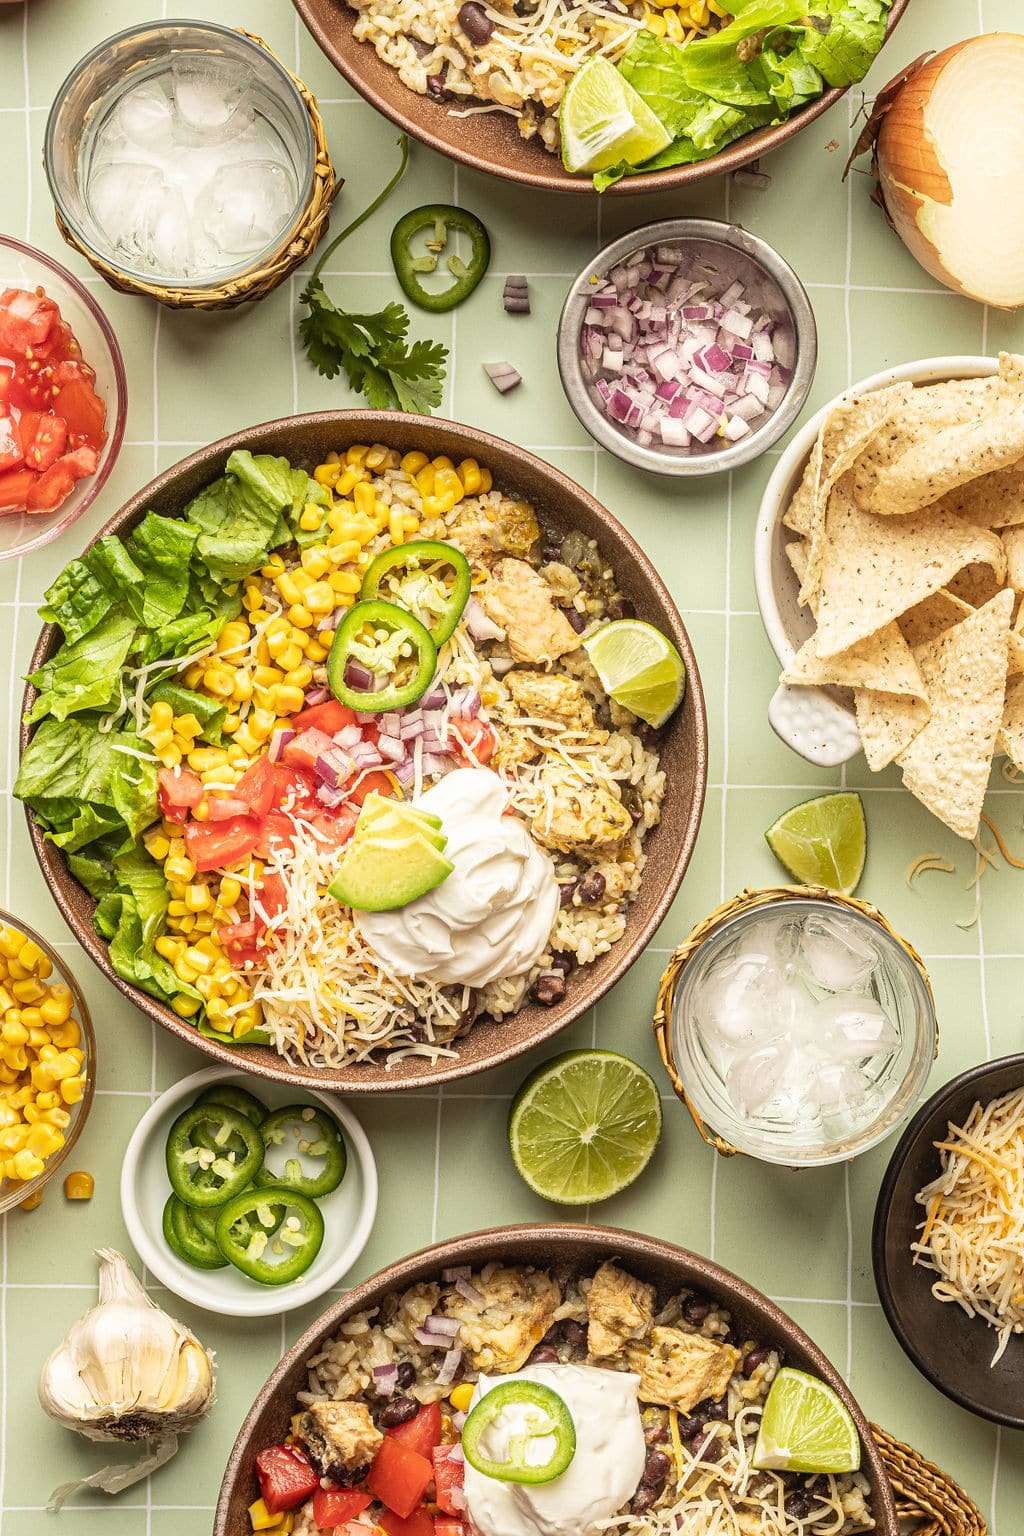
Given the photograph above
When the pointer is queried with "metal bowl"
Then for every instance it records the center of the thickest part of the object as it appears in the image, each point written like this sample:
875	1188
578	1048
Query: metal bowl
570	1250
491	141
306	440
730	253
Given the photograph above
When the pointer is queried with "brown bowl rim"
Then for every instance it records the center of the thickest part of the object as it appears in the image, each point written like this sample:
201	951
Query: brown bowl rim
420	114
368	1079
587	1242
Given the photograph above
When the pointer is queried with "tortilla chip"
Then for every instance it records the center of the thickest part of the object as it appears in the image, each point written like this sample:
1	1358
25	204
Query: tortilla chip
876	568
883	661
931	407
796	554
1013	543
1011	732
844	434
975	585
943	460
990	501
947	764
928	619
888	723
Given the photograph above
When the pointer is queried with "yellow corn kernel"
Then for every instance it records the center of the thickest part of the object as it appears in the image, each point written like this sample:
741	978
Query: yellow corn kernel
203	759
327	474
169	948
11	942
252	600
261	723
460	1396
290	591
260	1517
355	456
56	1010
28	991
230	891
345	582
170	756
320	598
433	506
179	868
44	1140
342	548
198	898
442	461
314	652
156	845
79	1185
412	463
301	616
219	681
31	1202
13	1031
486	481
185	1007
469	473
248	1018
290	657
273	567
158	740
71	1089
26	1165
242	689
364	498
161	715
287	700
396	525
316	561
311	517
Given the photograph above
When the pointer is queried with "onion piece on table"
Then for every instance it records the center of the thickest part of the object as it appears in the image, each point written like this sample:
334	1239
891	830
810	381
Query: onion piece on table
503	376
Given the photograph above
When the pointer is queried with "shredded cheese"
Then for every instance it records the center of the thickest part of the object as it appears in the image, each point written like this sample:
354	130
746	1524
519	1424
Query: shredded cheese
973	1233
925	865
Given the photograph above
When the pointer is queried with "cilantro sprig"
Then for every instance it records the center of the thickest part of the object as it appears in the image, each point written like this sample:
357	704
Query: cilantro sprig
373	351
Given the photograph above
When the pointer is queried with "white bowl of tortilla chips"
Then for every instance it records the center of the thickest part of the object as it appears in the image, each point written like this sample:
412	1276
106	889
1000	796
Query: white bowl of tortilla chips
889	562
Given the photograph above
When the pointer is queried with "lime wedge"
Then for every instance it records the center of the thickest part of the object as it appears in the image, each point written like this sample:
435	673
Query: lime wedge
639	668
584	1125
603	120
822	841
805	1428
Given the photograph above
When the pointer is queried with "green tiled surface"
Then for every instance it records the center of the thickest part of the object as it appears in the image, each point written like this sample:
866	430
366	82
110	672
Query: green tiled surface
442	1158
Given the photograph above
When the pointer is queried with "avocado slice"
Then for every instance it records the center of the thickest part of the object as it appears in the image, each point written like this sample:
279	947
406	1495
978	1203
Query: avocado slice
398	825
378	874
379	805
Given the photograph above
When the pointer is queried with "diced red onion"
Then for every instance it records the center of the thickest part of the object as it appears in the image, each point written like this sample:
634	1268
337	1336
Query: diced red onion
455	1452
460	1272
405	773
448	1327
329	796
433	763
278	741
392	747
349	736
446	1375
458	1497
479	623
469	703
469	1292
359	677
458	1419
385	1379
317	696
503	376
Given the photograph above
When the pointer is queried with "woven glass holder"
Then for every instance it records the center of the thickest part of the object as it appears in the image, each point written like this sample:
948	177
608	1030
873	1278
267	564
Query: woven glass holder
928	1501
259	281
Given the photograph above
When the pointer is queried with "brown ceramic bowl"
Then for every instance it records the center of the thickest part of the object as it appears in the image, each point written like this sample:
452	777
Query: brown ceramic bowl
952	1350
490	141
306	440
572	1249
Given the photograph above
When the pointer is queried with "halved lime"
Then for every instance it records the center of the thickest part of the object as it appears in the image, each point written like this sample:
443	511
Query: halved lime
639	668
805	1428
584	1125
822	841
603	120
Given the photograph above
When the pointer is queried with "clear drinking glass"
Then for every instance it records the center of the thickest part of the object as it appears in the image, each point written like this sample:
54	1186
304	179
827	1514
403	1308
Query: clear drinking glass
95	87
810	1135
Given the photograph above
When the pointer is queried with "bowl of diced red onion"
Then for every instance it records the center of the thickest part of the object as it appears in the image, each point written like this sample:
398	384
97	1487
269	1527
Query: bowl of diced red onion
687	347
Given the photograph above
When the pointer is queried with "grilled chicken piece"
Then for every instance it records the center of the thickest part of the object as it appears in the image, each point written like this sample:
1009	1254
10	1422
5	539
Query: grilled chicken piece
589	822
519	1305
681	1369
520	600
552	696
482	528
342	1439
620	1310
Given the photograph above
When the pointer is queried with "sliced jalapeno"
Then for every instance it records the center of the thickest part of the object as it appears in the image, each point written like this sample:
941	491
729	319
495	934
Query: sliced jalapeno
240	1099
268	1217
387	645
302	1131
206	1176
184	1237
429	578
270	1259
534	1413
439	218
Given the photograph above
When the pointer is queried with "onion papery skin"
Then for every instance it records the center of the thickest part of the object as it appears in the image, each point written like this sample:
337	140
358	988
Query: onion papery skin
949	158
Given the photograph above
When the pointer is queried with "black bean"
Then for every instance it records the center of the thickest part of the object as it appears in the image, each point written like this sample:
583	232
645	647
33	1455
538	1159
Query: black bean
398	1411
592	887
798	1506
575	1334
420	48
467	1018
548	989
710	1450
650	735
754	1359
655	1432
621	608
436	87
696	1309
475	22
655	1470
563	962
346	1477
544	1354
576	619
566	892
643	1499
406	1375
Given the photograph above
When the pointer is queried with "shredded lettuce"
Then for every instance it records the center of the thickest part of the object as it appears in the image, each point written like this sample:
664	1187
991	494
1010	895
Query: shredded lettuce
85	675
132	916
70	767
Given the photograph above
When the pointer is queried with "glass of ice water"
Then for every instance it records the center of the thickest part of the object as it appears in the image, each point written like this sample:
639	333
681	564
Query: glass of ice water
180	153
802	1029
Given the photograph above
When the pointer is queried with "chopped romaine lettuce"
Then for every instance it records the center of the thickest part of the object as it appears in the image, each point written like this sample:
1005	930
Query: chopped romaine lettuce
85	675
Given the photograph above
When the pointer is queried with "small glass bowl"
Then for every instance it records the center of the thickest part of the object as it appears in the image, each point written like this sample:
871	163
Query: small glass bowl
94	86
732	254
11	1196
701	1084
23	267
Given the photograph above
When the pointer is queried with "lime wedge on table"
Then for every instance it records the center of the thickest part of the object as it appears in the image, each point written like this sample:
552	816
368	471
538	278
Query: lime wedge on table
822	841
584	1125
603	120
805	1428
639	668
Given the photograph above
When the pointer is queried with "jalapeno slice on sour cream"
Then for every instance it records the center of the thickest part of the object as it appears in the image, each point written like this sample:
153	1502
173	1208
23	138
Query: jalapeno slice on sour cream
546	1418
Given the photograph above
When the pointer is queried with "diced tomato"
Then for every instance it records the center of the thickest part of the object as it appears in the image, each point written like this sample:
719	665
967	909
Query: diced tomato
286	1477
256	788
83	410
277	830
26	320
71	369
449	1528
224	805
419	1523
303	750
335	1506
80	462
330	716
43	438
365	785
420	1433
32	387
6	375
273	898
50	488
243	942
11	450
448	1474
399	1477
178	792
334	825
15	486
473	736
294	786
215	844
60	345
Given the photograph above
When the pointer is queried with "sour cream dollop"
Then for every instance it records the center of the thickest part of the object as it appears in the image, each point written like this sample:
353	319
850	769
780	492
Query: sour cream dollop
602	1476
493	915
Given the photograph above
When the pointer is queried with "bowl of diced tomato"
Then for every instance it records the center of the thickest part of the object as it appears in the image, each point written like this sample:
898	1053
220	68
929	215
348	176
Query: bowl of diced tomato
63	398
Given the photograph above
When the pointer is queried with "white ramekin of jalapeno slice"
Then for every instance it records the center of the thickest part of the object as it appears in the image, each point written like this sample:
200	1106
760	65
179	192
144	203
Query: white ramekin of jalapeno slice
245	1197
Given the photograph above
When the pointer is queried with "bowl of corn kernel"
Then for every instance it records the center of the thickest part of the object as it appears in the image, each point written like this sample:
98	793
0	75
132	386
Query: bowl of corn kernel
47	1060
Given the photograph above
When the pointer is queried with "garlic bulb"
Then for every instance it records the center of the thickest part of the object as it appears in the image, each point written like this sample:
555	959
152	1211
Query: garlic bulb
126	1371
